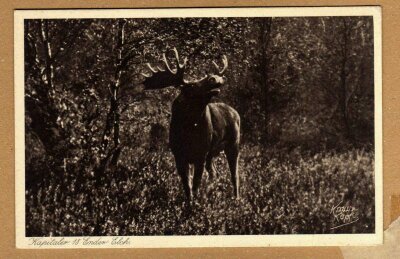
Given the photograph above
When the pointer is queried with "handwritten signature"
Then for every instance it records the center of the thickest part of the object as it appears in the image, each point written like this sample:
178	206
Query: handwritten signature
344	215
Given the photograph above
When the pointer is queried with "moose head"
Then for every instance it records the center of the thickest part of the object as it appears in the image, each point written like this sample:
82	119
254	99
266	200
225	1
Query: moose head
205	87
199	129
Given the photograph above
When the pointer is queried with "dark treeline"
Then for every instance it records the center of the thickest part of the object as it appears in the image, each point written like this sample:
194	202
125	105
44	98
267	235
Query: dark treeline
302	83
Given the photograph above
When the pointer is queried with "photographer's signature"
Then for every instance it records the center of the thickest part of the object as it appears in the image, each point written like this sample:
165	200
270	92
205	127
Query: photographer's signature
343	215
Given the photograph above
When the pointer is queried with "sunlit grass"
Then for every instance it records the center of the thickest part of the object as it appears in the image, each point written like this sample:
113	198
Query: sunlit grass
281	193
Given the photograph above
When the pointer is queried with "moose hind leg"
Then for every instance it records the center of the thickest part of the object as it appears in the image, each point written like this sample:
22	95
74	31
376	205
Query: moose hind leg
198	174
183	171
232	155
210	167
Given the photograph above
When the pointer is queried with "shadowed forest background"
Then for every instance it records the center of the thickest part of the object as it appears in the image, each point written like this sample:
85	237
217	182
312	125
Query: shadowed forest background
97	156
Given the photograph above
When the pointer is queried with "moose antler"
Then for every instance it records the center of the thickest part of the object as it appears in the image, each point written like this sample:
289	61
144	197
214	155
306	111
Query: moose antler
161	78
225	62
179	67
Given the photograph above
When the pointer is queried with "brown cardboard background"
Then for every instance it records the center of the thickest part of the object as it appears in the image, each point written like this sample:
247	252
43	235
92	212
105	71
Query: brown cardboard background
391	123
394	207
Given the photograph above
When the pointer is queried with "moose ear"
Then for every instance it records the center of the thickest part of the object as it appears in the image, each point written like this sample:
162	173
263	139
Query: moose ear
212	79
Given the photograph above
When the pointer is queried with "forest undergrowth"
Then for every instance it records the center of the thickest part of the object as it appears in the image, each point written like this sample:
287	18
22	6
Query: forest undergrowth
281	193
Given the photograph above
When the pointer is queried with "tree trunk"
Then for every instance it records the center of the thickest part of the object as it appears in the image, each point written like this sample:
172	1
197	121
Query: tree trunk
44	121
112	129
265	36
343	85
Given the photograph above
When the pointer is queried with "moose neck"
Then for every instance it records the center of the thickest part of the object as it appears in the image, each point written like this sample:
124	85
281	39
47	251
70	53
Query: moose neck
189	111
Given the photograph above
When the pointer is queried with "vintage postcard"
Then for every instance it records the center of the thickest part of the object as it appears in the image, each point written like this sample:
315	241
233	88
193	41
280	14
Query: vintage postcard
198	127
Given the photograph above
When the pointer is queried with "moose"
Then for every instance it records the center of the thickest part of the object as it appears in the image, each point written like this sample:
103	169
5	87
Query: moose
199	129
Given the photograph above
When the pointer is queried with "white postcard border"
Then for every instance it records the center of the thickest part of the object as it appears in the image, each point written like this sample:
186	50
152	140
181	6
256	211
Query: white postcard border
192	241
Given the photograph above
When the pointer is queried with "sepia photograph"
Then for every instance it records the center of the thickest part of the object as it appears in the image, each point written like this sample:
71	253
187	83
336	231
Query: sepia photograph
240	124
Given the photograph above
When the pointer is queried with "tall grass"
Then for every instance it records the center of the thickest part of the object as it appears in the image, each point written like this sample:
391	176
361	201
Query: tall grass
281	193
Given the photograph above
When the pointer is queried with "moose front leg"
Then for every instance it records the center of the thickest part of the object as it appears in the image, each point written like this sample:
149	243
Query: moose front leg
198	173
210	167
183	171
232	155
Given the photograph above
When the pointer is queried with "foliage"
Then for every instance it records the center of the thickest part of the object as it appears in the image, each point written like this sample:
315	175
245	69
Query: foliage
97	159
285	194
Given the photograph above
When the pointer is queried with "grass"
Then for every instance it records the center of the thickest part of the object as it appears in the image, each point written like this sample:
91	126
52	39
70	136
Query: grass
281	193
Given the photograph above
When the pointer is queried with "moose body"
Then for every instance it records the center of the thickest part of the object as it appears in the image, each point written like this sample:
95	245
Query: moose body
199	129
198	134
